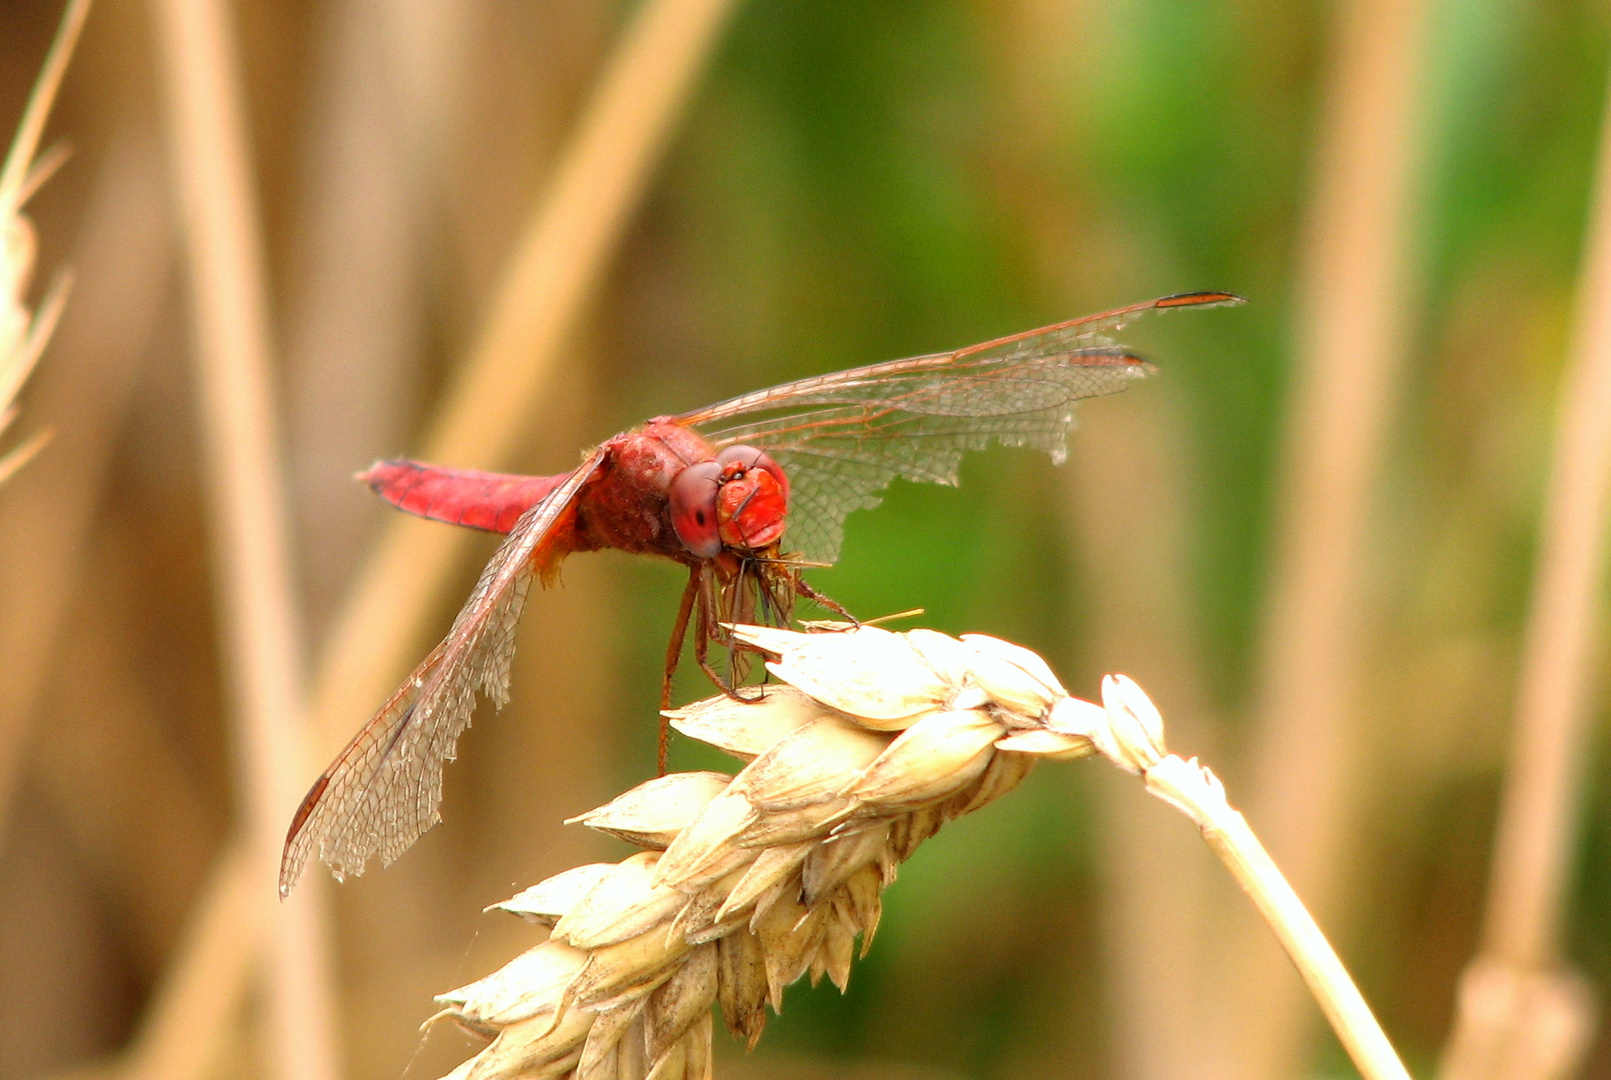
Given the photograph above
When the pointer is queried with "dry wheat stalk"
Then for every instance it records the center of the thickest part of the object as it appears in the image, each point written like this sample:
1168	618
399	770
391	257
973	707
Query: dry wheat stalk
873	741
24	331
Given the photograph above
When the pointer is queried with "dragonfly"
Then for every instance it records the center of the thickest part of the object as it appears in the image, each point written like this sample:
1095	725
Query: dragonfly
744	493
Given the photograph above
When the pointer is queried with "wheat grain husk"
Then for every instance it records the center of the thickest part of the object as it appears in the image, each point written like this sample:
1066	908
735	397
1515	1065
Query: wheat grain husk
748	883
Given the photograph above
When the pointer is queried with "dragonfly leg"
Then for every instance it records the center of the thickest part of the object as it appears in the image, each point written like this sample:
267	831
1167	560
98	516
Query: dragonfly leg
824	600
776	607
703	634
679	633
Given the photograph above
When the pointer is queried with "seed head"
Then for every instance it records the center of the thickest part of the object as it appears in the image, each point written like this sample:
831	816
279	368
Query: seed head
748	882
1134	728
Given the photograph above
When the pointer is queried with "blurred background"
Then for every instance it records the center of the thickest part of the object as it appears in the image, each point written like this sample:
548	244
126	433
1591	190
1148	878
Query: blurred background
1313	536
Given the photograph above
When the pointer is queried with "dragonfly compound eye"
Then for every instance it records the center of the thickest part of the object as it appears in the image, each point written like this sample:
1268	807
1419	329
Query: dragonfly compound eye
751	458
693	508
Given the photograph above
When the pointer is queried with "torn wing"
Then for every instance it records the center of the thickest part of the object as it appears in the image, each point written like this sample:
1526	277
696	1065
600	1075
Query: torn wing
382	792
843	437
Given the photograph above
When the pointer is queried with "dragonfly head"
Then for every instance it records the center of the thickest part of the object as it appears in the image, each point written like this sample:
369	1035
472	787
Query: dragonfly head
738	501
753	500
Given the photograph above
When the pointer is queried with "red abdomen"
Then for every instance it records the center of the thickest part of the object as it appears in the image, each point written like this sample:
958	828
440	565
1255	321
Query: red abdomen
479	500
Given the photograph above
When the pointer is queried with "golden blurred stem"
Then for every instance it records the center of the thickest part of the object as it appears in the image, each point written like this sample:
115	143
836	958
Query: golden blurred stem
182	1033
232	357
1193	790
1349	358
1537	822
555	267
1353	303
563	249
1518	975
388	78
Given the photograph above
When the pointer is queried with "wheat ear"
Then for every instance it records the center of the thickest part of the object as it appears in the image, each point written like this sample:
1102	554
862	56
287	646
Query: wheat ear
869	744
24	331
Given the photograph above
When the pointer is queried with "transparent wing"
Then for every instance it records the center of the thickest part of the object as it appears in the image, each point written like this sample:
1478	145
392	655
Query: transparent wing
382	792
843	437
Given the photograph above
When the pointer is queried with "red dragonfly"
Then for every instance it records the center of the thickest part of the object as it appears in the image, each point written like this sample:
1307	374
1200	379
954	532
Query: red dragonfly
718	490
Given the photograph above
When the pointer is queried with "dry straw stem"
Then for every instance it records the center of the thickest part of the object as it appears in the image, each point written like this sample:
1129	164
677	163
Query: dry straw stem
202	989
233	365
388	83
873	741
554	268
1355	300
1520	1013
567	240
24	333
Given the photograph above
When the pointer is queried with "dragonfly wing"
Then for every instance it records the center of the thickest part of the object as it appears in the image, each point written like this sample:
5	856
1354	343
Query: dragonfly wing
843	437
383	791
